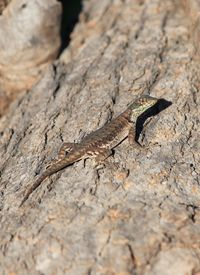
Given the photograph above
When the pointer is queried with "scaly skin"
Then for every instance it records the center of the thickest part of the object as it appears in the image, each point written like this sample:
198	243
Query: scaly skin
98	144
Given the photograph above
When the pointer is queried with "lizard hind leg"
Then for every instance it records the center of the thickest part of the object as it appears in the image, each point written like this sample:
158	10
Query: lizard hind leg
66	147
101	159
102	155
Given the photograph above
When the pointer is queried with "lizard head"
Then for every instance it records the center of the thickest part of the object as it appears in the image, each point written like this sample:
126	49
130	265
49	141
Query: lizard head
140	105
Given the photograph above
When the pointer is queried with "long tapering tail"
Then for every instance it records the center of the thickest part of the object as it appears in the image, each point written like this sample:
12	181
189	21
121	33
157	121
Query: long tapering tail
51	170
34	186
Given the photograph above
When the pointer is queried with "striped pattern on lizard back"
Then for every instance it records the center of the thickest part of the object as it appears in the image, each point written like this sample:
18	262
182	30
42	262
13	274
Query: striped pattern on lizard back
110	135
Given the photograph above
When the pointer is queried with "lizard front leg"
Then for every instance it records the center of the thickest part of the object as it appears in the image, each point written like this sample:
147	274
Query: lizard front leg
131	138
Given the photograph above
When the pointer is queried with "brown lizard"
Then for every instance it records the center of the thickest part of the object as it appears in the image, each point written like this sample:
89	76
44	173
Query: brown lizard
98	144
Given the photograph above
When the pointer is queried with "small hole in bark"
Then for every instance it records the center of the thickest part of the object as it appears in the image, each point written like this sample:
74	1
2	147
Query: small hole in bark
23	6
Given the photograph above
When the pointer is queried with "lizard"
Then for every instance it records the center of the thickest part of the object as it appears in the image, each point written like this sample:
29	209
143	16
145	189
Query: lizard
98	144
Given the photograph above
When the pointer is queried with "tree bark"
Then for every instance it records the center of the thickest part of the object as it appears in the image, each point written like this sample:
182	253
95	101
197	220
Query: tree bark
144	216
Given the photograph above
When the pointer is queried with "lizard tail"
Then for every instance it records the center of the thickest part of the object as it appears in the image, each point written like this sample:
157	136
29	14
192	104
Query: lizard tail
35	186
51	170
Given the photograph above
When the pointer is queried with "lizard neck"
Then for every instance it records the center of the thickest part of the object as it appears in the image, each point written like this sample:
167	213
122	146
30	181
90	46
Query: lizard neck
130	116
134	114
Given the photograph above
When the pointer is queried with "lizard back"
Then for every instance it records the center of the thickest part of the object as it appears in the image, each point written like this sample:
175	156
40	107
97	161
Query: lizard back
111	134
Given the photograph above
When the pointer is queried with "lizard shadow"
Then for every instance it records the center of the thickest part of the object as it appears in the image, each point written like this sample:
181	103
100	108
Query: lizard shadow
161	105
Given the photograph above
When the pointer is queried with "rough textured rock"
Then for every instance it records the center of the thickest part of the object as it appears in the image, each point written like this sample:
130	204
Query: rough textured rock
144	217
192	9
29	42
